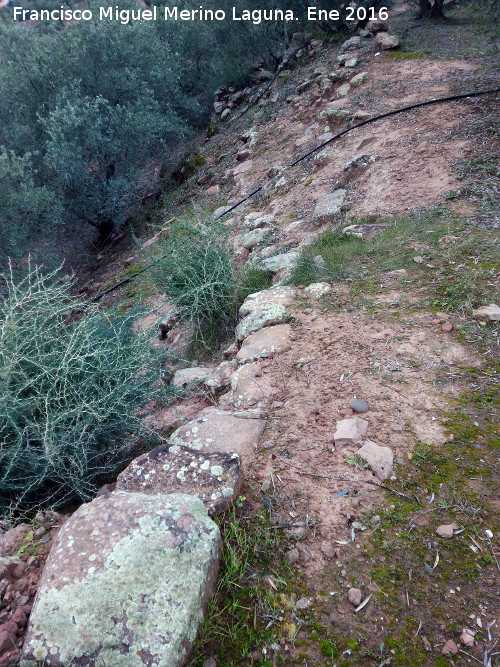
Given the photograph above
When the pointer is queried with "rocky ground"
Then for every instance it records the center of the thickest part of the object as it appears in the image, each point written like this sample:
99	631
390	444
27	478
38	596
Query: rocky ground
343	440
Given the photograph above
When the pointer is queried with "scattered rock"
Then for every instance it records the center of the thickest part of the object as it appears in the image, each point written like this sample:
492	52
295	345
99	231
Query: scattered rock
450	648
342	90
317	290
350	431
292	556
351	62
385	41
355	596
214	189
377	26
448	240
215	476
419	259
489	313
260	220
328	207
243	167
252	238
277	263
352	43
467	639
321	159
446	530
191	377
265	343
359	78
221	376
136	593
304	603
12	540
358	405
380	459
365	231
221	431
447	327
359	161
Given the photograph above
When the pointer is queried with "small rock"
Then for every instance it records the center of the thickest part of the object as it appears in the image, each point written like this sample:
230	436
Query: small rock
304	603
377	26
467	639
211	662
7	641
380	459
190	377
13	539
351	62
350	430
450	648
358	405
446	530
447	327
418	259
328	551
355	596
489	313
292	556
19	618
426	643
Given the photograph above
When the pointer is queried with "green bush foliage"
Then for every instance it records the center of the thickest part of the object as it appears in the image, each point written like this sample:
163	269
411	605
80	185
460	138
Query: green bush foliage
71	387
197	272
94	111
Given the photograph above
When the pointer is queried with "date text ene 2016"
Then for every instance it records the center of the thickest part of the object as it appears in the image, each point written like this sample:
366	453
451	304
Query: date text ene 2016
352	14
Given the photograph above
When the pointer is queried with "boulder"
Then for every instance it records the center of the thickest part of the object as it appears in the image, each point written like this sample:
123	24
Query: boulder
385	41
350	431
328	207
222	431
285	261
358	79
380	459
126	583
352	43
377	26
265	343
215	477
283	296
221	376
265	316
261	220
252	238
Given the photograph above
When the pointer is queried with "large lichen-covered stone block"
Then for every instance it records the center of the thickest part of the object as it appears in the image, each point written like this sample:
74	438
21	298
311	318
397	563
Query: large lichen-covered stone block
220	431
215	477
282	296
265	316
265	343
126	583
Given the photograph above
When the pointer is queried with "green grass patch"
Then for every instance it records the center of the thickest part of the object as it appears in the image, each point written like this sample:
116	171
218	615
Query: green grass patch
237	622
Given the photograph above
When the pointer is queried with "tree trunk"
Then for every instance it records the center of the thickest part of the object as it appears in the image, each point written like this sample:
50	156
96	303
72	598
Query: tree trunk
106	228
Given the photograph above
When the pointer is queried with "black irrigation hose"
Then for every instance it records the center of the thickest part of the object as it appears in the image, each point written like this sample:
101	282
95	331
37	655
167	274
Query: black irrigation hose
304	157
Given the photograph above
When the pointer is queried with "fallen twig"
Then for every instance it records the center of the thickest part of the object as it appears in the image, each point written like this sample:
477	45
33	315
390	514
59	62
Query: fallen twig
355	481
470	656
